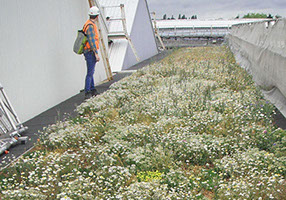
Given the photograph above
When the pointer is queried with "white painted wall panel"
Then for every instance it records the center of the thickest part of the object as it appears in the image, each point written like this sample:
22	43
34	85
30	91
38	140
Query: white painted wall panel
117	54
38	68
139	27
142	36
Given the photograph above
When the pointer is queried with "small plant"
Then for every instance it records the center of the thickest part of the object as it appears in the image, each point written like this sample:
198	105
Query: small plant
193	126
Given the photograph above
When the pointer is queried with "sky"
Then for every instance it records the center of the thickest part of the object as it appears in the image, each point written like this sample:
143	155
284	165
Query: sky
215	9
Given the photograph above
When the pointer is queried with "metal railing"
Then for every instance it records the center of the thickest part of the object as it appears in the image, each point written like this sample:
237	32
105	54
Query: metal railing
196	32
10	125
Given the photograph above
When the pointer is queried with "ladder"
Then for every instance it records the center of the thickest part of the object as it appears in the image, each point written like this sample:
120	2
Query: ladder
102	47
123	34
157	31
111	35
10	125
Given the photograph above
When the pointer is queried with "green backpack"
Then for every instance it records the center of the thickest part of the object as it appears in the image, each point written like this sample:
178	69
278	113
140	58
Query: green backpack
80	42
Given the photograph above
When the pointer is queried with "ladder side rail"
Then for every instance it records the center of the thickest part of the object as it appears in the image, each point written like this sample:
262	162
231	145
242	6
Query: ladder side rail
123	19
96	3
157	32
161	42
104	54
126	33
104	61
101	43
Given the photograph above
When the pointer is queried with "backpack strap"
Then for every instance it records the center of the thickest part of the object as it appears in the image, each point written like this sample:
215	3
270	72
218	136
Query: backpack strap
85	27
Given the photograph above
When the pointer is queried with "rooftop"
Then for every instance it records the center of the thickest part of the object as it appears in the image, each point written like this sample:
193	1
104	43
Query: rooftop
190	23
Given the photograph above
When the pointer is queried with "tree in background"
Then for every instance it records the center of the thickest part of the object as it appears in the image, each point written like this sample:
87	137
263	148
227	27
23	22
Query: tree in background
182	17
165	17
255	15
172	17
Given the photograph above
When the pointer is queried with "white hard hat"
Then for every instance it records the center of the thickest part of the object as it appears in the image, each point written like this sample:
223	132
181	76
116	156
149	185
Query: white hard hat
93	11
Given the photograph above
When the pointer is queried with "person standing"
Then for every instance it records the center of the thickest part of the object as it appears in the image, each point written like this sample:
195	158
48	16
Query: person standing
91	51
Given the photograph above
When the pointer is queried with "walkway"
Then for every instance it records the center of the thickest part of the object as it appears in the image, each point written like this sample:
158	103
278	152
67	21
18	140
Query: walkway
63	111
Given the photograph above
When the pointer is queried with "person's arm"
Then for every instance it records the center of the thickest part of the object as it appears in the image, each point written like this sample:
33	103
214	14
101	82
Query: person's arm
91	40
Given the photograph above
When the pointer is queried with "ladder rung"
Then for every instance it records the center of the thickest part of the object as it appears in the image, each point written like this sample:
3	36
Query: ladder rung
116	33
116	19
111	6
114	37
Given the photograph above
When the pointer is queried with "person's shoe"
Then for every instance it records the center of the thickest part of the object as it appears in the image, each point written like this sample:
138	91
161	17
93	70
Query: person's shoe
87	95
94	92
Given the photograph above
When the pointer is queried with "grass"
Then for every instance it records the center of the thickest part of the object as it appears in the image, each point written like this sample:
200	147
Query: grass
193	126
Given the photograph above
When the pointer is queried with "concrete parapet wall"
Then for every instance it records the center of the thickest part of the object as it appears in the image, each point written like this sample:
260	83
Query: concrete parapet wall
260	48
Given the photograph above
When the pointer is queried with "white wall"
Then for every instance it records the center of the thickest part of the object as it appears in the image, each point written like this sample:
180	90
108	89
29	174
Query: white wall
260	48
142	36
38	68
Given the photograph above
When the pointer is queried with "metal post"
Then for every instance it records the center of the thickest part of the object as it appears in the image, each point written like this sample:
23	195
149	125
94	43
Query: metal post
175	30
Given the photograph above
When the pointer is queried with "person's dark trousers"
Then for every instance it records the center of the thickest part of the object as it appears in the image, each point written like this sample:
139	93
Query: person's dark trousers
90	63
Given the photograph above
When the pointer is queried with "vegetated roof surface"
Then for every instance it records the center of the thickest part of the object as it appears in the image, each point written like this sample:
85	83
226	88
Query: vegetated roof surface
192	126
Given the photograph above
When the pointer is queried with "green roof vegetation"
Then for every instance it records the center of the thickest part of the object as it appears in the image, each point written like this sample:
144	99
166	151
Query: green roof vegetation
193	126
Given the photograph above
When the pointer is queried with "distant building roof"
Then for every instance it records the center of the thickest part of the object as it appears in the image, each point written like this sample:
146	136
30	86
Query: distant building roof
186	23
